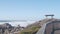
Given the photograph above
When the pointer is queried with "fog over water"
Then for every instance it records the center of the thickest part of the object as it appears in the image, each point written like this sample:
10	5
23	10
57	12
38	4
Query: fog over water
24	24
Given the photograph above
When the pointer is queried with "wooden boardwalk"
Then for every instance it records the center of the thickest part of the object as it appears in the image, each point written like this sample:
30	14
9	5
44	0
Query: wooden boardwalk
52	27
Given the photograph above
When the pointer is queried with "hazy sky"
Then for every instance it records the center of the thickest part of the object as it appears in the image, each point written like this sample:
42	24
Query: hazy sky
28	9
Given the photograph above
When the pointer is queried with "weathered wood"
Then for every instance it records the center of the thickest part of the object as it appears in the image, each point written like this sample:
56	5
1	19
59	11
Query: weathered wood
49	15
50	28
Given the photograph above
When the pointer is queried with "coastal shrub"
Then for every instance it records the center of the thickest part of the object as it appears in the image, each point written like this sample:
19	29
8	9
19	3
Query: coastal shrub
31	30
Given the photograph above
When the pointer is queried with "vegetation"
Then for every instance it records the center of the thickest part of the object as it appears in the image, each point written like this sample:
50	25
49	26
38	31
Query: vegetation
31	30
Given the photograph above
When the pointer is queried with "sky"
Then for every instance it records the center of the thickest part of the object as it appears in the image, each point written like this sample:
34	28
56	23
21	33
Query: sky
28	9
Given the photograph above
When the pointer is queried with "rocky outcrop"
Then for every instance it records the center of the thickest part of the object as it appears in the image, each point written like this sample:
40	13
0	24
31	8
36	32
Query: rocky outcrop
7	29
